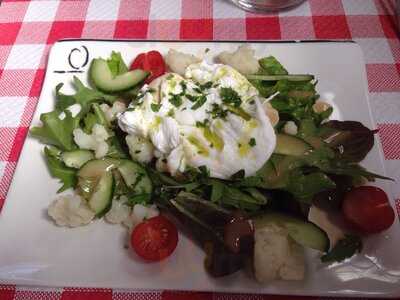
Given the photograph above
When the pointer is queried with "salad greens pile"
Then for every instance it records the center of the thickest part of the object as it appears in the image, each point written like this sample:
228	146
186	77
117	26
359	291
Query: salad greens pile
318	164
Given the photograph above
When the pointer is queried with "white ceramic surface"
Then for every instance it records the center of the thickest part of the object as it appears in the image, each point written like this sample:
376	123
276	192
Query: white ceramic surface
34	251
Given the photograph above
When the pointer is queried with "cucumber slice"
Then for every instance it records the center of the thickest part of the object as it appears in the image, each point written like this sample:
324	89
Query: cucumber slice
100	200
76	159
290	77
135	177
103	79
290	145
96	167
305	233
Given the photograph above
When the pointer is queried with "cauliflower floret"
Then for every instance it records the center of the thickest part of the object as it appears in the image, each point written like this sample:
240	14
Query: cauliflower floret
112	112
71	211
95	141
139	213
178	61
290	128
276	255
119	211
242	60
140	149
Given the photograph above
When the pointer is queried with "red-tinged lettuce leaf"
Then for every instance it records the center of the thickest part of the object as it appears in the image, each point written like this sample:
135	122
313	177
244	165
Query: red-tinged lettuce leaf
344	248
351	140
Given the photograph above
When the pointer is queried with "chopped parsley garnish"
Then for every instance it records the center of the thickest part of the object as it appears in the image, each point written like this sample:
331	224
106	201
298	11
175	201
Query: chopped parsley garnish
191	98
184	87
171	113
218	112
252	142
206	85
175	100
155	107
200	101
170	76
230	96
207	50
202	124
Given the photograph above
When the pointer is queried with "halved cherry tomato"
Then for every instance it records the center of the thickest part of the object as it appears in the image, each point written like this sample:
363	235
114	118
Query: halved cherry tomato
154	239
367	208
151	61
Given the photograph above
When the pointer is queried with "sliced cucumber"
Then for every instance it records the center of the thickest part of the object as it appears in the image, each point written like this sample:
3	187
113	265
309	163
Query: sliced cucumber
305	233
77	158
103	79
290	145
100	200
135	177
290	77
96	167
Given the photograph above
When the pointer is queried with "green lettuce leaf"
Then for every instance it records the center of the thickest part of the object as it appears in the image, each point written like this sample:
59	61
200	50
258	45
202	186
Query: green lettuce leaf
59	170
84	96
55	131
271	66
116	64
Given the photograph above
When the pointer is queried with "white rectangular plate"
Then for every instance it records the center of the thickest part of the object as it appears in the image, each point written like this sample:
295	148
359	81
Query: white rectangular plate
35	251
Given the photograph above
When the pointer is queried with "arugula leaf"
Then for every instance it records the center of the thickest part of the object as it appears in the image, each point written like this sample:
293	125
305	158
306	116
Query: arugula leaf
138	199
59	170
55	131
84	96
89	121
116	64
115	149
63	101
304	187
217	190
344	248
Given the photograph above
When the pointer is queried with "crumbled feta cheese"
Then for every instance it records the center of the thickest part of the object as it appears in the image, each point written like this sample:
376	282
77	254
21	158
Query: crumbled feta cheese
71	211
140	149
290	128
276	255
95	141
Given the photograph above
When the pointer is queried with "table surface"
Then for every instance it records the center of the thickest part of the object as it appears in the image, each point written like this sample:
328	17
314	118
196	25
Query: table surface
29	28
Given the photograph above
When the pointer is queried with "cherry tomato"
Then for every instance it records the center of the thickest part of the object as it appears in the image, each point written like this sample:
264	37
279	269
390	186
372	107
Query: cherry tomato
367	208
151	61
154	239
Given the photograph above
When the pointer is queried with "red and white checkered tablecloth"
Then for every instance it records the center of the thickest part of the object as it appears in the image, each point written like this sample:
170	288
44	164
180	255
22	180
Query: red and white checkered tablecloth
29	28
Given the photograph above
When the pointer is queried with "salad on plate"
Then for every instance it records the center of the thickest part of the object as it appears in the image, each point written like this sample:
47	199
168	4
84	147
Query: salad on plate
234	150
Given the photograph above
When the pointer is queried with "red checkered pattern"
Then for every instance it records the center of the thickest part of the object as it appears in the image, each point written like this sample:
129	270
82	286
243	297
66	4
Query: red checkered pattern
29	28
